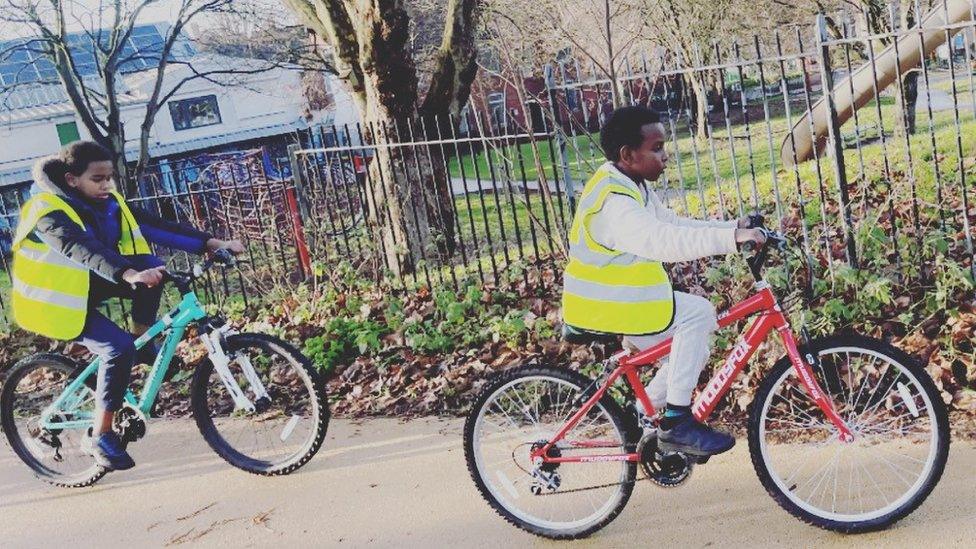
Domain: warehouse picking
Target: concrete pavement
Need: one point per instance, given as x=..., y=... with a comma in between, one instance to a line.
x=383, y=483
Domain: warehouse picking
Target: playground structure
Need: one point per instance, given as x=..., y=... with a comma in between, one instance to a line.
x=809, y=134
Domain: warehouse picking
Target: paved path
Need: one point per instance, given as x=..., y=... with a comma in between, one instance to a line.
x=382, y=483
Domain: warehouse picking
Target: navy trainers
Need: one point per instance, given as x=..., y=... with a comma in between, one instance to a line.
x=691, y=437
x=109, y=452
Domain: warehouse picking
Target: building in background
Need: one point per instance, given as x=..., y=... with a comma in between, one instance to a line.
x=266, y=111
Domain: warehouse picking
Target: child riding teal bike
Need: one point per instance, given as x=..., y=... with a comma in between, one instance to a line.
x=77, y=244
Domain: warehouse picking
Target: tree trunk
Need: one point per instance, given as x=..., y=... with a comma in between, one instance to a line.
x=910, y=79
x=910, y=87
x=699, y=112
x=411, y=206
x=144, y=134
x=410, y=200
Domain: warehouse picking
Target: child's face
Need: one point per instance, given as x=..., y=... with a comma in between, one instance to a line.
x=649, y=159
x=95, y=183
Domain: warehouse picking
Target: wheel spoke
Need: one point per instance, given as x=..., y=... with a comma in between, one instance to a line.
x=879, y=467
x=284, y=428
x=587, y=491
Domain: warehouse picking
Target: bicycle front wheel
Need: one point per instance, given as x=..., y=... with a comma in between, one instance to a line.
x=520, y=411
x=900, y=427
x=288, y=423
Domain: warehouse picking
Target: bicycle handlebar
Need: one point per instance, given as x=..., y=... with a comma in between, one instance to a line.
x=222, y=257
x=758, y=260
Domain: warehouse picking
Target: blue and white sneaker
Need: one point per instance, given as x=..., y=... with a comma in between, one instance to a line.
x=108, y=451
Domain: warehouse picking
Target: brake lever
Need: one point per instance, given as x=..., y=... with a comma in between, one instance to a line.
x=223, y=257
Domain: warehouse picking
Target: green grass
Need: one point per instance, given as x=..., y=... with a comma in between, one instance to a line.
x=734, y=175
x=691, y=157
x=694, y=166
x=963, y=86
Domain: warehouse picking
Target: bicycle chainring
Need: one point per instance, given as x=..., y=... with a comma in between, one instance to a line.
x=130, y=424
x=667, y=470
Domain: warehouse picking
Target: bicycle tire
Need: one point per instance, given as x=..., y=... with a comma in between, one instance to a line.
x=616, y=413
x=13, y=435
x=875, y=347
x=225, y=450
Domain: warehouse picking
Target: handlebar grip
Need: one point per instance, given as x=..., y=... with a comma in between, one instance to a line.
x=223, y=255
x=756, y=220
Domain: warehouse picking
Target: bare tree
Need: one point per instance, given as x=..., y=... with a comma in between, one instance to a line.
x=371, y=45
x=695, y=32
x=883, y=17
x=609, y=35
x=602, y=33
x=59, y=30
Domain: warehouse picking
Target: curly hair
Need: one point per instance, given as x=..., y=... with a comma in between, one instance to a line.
x=74, y=158
x=623, y=129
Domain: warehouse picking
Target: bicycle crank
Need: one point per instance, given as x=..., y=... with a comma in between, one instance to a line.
x=130, y=424
x=667, y=470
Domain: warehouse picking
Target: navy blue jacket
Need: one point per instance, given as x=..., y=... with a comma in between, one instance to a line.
x=96, y=246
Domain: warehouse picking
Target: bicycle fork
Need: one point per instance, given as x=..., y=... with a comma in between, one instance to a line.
x=804, y=368
x=214, y=342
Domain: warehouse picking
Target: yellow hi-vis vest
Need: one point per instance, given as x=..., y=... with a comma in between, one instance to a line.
x=606, y=290
x=50, y=292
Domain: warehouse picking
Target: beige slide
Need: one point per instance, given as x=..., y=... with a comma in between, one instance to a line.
x=887, y=67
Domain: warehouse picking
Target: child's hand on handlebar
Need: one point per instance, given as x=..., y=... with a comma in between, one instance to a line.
x=758, y=236
x=149, y=277
x=751, y=221
x=235, y=247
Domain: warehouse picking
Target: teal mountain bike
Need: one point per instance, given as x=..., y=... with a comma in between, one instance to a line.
x=256, y=399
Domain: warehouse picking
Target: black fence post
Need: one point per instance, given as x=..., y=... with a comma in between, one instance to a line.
x=835, y=137
x=296, y=174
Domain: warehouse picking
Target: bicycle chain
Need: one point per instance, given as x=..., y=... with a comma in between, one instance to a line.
x=597, y=487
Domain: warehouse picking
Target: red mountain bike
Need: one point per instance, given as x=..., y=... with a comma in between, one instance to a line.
x=846, y=432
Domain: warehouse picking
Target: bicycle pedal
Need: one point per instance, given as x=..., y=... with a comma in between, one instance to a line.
x=645, y=422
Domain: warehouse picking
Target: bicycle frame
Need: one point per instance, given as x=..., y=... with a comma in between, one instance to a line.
x=770, y=319
x=175, y=322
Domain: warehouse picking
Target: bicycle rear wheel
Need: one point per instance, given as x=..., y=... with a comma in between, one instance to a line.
x=522, y=409
x=55, y=455
x=285, y=430
x=900, y=427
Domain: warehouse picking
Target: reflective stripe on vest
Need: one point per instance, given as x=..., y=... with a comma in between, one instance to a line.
x=131, y=241
x=620, y=294
x=609, y=291
x=52, y=297
x=50, y=291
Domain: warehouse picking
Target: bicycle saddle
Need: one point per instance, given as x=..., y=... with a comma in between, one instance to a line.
x=579, y=336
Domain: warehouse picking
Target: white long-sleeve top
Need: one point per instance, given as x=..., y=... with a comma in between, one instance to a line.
x=655, y=232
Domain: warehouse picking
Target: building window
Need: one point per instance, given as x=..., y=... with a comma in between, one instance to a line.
x=194, y=113
x=68, y=133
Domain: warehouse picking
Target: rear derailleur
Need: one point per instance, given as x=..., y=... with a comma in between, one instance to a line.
x=545, y=475
x=47, y=438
